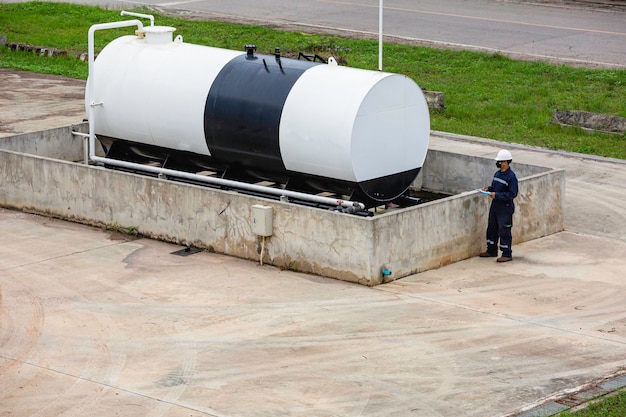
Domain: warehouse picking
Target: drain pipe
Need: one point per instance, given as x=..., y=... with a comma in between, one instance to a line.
x=348, y=206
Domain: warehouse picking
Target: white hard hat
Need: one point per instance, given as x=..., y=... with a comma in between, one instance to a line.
x=504, y=155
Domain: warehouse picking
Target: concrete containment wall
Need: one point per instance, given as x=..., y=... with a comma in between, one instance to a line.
x=445, y=231
x=54, y=143
x=322, y=242
x=455, y=173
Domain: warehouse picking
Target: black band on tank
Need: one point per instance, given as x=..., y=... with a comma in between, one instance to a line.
x=243, y=110
x=389, y=187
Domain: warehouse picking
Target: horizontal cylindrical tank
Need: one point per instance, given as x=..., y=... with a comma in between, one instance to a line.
x=275, y=115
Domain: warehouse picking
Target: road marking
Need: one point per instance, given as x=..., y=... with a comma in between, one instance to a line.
x=416, y=11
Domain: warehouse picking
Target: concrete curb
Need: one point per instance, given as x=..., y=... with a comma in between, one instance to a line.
x=576, y=399
x=509, y=145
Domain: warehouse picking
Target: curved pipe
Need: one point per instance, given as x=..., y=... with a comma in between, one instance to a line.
x=90, y=79
x=145, y=16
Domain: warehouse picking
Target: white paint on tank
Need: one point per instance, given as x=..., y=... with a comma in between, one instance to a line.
x=156, y=93
x=353, y=124
x=391, y=130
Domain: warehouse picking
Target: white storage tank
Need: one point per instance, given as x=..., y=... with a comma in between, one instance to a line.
x=318, y=123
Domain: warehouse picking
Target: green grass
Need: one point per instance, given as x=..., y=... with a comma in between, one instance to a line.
x=613, y=406
x=487, y=95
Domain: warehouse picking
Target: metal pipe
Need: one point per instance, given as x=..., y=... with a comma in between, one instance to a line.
x=86, y=149
x=351, y=205
x=145, y=16
x=224, y=182
x=90, y=79
x=229, y=183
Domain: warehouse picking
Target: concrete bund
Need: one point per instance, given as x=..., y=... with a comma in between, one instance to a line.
x=38, y=173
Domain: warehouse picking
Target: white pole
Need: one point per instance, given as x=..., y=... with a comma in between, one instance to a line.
x=380, y=36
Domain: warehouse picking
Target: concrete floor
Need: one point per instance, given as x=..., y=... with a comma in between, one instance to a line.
x=96, y=323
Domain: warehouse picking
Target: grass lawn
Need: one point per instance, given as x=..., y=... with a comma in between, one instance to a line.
x=486, y=95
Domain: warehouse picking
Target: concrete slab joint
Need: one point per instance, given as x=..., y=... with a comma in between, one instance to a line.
x=39, y=173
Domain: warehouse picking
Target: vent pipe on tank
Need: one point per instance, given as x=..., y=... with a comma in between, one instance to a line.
x=250, y=48
x=145, y=16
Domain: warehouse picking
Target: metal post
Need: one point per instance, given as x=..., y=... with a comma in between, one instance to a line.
x=380, y=36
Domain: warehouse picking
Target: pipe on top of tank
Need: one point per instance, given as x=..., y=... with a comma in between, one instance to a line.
x=145, y=16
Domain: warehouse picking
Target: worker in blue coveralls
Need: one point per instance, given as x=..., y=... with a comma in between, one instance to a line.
x=503, y=190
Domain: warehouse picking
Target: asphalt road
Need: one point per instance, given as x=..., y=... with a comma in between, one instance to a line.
x=573, y=35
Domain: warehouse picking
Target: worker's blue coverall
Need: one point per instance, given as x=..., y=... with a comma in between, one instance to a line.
x=504, y=185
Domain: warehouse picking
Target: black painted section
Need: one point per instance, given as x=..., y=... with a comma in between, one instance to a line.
x=243, y=110
x=141, y=153
x=371, y=192
x=389, y=187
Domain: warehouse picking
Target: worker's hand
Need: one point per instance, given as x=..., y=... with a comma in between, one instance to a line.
x=493, y=195
x=483, y=188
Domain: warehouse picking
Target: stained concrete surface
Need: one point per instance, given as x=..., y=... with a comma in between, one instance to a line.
x=96, y=323
x=30, y=102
